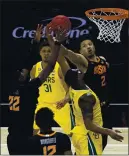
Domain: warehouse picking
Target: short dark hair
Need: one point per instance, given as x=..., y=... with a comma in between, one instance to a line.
x=43, y=43
x=44, y=118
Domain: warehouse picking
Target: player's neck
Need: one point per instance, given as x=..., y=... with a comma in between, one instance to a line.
x=44, y=64
x=93, y=58
x=46, y=131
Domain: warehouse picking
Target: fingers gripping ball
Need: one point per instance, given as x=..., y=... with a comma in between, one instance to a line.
x=61, y=22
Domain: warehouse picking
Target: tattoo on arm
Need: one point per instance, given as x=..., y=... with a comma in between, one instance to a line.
x=86, y=103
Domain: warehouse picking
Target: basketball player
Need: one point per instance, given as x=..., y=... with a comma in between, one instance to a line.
x=86, y=135
x=96, y=73
x=23, y=99
x=54, y=90
x=96, y=78
x=47, y=141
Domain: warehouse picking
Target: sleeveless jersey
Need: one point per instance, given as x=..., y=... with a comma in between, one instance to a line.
x=51, y=90
x=76, y=92
x=96, y=78
x=79, y=122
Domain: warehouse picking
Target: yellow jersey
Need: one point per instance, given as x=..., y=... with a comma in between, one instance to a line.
x=52, y=89
x=79, y=122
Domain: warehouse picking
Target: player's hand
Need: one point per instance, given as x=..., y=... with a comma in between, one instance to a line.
x=61, y=103
x=38, y=33
x=48, y=34
x=114, y=135
x=60, y=35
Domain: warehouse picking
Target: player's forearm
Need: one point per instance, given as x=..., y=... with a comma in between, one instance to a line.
x=97, y=129
x=68, y=54
x=75, y=58
x=63, y=50
x=51, y=63
x=67, y=97
x=63, y=64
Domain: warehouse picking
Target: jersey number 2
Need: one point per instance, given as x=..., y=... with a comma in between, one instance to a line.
x=103, y=82
x=46, y=150
x=14, y=103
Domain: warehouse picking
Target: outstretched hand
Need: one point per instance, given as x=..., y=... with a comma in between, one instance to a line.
x=60, y=35
x=48, y=34
x=114, y=135
x=38, y=33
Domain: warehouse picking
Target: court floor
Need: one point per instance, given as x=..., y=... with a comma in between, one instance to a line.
x=112, y=148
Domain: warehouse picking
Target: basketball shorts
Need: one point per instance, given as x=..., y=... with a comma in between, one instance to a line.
x=88, y=144
x=62, y=116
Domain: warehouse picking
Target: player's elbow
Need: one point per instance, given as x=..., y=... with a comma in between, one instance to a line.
x=87, y=127
x=88, y=124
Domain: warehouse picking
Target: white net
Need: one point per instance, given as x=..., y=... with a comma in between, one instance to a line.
x=109, y=29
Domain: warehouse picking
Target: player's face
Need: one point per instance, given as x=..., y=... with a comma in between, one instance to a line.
x=87, y=48
x=45, y=53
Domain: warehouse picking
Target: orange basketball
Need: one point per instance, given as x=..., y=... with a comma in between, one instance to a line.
x=61, y=21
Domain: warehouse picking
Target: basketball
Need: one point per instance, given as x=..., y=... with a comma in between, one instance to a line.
x=61, y=21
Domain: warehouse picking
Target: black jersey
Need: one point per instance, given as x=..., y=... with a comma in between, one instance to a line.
x=96, y=77
x=49, y=144
x=22, y=104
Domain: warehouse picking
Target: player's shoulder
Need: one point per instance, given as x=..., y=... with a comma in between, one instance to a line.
x=103, y=58
x=62, y=136
x=37, y=64
x=35, y=137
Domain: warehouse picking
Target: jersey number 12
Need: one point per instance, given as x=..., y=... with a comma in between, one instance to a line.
x=49, y=150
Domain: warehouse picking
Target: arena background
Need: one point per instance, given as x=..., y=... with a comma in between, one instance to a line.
x=18, y=21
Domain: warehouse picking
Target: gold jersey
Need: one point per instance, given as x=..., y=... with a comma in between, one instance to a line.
x=79, y=122
x=52, y=89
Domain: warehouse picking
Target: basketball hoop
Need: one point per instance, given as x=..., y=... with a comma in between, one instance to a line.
x=109, y=22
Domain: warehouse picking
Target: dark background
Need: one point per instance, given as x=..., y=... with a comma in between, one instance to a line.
x=29, y=14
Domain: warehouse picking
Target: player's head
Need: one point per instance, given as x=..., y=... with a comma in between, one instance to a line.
x=45, y=51
x=44, y=118
x=87, y=48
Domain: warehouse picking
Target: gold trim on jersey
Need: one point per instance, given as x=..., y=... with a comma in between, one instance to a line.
x=46, y=135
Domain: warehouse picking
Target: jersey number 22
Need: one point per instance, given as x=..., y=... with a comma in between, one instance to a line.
x=14, y=102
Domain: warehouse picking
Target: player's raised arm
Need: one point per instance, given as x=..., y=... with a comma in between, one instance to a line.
x=53, y=58
x=86, y=103
x=32, y=54
x=79, y=60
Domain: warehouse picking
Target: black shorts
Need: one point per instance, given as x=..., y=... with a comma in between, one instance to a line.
x=17, y=145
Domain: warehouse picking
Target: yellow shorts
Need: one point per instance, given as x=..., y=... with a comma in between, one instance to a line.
x=62, y=116
x=87, y=144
